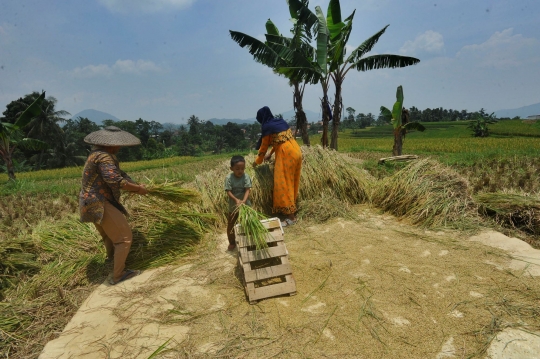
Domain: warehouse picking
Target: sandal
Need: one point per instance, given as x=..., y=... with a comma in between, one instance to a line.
x=128, y=275
x=287, y=222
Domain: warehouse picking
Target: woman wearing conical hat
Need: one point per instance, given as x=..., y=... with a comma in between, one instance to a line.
x=99, y=199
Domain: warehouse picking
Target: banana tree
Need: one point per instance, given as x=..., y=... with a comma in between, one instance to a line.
x=11, y=135
x=340, y=65
x=399, y=117
x=312, y=64
x=277, y=52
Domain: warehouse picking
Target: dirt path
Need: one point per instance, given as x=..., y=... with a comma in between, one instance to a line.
x=370, y=288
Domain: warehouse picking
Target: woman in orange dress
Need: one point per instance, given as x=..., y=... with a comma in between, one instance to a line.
x=288, y=164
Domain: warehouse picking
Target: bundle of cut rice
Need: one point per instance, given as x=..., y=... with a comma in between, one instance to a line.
x=324, y=171
x=428, y=193
x=250, y=223
x=512, y=210
x=171, y=191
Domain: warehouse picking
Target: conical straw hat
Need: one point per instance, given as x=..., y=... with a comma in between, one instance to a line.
x=112, y=136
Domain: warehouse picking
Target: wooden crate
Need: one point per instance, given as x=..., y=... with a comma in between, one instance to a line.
x=266, y=273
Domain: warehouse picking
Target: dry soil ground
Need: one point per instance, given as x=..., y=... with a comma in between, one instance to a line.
x=370, y=288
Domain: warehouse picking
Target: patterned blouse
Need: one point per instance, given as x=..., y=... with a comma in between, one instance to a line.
x=273, y=140
x=101, y=181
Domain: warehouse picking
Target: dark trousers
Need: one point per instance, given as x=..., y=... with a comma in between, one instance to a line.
x=233, y=217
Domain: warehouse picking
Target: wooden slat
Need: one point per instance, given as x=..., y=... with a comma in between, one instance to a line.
x=245, y=266
x=271, y=290
x=243, y=241
x=270, y=252
x=272, y=224
x=268, y=272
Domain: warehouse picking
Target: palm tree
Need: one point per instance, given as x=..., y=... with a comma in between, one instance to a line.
x=399, y=117
x=44, y=127
x=11, y=135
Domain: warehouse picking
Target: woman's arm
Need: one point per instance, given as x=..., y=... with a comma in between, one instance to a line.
x=134, y=188
x=112, y=175
x=268, y=156
x=262, y=151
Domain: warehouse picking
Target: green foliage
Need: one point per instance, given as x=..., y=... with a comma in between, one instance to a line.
x=479, y=125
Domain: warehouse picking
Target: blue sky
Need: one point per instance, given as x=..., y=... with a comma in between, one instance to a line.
x=166, y=60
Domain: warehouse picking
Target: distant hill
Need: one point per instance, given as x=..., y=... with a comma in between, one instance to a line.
x=288, y=115
x=522, y=112
x=223, y=121
x=95, y=116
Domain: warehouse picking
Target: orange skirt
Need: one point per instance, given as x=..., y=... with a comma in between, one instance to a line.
x=287, y=169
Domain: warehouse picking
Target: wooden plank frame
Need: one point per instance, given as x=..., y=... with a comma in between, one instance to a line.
x=247, y=255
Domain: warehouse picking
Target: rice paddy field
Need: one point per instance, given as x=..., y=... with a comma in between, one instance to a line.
x=50, y=262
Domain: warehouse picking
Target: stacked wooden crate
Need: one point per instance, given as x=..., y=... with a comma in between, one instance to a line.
x=267, y=272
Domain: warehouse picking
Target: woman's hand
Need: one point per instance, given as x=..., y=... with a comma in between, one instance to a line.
x=142, y=190
x=255, y=164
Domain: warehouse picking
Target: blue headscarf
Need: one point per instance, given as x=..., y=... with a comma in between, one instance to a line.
x=269, y=124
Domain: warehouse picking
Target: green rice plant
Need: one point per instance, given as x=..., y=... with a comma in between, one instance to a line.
x=250, y=223
x=171, y=191
x=428, y=193
x=512, y=210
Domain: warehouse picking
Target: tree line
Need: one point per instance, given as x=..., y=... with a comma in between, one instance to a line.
x=46, y=139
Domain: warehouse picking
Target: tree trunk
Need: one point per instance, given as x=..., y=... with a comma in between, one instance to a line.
x=6, y=156
x=398, y=142
x=40, y=159
x=325, y=121
x=301, y=120
x=337, y=114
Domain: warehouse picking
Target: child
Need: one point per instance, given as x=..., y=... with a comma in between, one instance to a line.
x=238, y=186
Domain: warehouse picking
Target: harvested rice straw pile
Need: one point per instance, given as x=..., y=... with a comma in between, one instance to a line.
x=324, y=208
x=70, y=259
x=250, y=222
x=323, y=171
x=428, y=193
x=512, y=210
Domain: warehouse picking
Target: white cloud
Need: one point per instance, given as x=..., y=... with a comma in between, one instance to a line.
x=502, y=49
x=120, y=66
x=146, y=6
x=430, y=42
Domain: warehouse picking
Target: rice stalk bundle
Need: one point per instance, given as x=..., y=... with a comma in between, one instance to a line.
x=512, y=210
x=171, y=191
x=428, y=193
x=329, y=171
x=323, y=171
x=161, y=234
x=250, y=223
x=17, y=257
x=324, y=208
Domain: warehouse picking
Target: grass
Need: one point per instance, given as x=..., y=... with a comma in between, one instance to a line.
x=49, y=262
